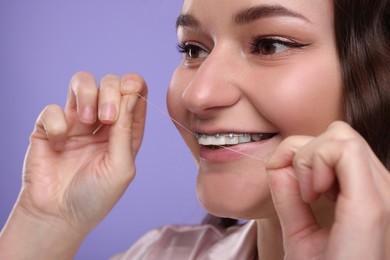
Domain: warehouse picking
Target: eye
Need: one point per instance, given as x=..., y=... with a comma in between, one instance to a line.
x=192, y=51
x=272, y=46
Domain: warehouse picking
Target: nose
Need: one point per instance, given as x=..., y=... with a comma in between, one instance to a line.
x=214, y=85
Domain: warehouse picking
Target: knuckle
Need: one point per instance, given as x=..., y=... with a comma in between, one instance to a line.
x=352, y=146
x=332, y=151
x=56, y=129
x=301, y=163
x=296, y=142
x=340, y=130
x=346, y=137
x=339, y=125
x=51, y=119
x=49, y=110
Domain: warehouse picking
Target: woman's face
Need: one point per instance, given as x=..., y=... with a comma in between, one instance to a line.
x=252, y=70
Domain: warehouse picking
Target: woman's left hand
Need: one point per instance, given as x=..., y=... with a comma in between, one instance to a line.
x=340, y=164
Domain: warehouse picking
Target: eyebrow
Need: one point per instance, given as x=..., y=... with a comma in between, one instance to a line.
x=245, y=16
x=187, y=20
x=254, y=13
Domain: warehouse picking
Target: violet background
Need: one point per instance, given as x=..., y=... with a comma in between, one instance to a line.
x=42, y=44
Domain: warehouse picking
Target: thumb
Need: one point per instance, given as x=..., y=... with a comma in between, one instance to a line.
x=295, y=215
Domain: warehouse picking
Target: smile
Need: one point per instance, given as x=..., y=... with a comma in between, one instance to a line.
x=231, y=138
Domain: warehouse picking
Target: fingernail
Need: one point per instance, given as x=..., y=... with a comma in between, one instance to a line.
x=88, y=115
x=130, y=86
x=107, y=112
x=131, y=102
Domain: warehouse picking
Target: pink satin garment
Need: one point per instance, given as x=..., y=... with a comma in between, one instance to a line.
x=204, y=242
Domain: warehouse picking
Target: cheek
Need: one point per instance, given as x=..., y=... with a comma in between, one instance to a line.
x=179, y=82
x=173, y=93
x=305, y=100
x=177, y=112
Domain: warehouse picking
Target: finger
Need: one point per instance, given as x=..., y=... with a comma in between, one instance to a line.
x=134, y=83
x=361, y=205
x=285, y=152
x=120, y=138
x=324, y=179
x=125, y=135
x=82, y=98
x=109, y=99
x=338, y=153
x=285, y=156
x=348, y=160
x=296, y=217
x=51, y=124
x=314, y=176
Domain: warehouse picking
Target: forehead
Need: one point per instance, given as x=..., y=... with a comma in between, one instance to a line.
x=315, y=11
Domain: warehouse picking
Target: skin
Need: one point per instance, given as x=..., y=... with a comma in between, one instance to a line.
x=285, y=92
x=73, y=174
x=89, y=146
x=223, y=86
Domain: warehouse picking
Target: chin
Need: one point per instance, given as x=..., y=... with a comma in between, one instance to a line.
x=241, y=210
x=237, y=196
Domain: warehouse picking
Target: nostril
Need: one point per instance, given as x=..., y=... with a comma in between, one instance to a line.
x=200, y=99
x=197, y=100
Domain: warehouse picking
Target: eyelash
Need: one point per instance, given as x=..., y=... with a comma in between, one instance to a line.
x=255, y=43
x=186, y=48
x=258, y=40
x=183, y=48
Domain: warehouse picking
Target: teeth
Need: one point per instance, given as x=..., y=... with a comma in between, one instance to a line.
x=256, y=137
x=245, y=138
x=230, y=139
x=219, y=140
x=205, y=139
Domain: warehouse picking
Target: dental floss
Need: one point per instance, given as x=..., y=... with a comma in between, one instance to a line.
x=182, y=126
x=165, y=114
x=97, y=129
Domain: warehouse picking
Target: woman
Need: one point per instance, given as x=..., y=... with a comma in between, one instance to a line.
x=258, y=98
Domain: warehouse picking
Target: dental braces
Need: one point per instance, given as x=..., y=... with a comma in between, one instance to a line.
x=230, y=135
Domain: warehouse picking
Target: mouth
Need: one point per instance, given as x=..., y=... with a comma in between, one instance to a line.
x=218, y=141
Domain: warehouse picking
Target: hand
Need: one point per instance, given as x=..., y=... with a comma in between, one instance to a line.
x=72, y=175
x=341, y=165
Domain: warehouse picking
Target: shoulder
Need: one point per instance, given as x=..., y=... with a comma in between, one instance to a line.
x=193, y=242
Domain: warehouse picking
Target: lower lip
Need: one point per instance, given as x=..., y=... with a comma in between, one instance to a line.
x=234, y=152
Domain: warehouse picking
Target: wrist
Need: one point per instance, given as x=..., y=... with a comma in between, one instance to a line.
x=27, y=236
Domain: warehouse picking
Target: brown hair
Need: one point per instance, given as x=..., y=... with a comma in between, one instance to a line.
x=362, y=32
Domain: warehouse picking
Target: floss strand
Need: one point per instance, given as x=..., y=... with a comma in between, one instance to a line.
x=185, y=128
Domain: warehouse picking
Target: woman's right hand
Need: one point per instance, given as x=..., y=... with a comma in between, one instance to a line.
x=81, y=158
